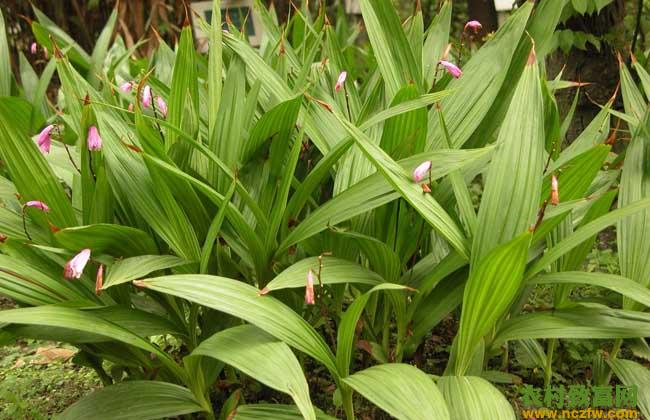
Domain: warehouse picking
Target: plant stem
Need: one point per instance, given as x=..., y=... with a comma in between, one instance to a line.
x=25, y=226
x=548, y=369
x=70, y=157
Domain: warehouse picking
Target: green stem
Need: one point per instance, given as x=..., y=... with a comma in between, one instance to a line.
x=548, y=369
x=348, y=405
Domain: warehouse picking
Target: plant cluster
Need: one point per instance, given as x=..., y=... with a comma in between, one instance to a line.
x=191, y=222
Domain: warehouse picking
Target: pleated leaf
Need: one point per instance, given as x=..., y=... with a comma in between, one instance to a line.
x=576, y=323
x=492, y=285
x=471, y=397
x=403, y=391
x=6, y=74
x=117, y=240
x=262, y=357
x=634, y=374
x=129, y=269
x=509, y=208
x=333, y=271
x=134, y=400
x=633, y=232
x=390, y=45
x=273, y=411
x=402, y=181
x=30, y=172
x=244, y=301
x=477, y=89
x=619, y=284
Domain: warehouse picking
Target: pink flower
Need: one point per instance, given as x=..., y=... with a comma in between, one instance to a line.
x=33, y=48
x=94, y=141
x=126, y=87
x=162, y=105
x=309, y=290
x=45, y=139
x=75, y=267
x=146, y=97
x=99, y=280
x=421, y=171
x=341, y=80
x=555, y=191
x=451, y=68
x=474, y=25
x=38, y=205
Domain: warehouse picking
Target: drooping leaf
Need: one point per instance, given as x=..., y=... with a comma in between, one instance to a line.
x=471, y=397
x=262, y=357
x=134, y=400
x=403, y=391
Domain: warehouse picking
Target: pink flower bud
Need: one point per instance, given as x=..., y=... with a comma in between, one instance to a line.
x=94, y=141
x=37, y=205
x=45, y=139
x=421, y=171
x=126, y=87
x=146, y=97
x=451, y=68
x=341, y=80
x=162, y=106
x=309, y=290
x=130, y=107
x=75, y=267
x=474, y=25
x=555, y=191
x=99, y=280
x=33, y=48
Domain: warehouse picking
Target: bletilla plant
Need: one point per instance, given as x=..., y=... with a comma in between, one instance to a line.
x=188, y=221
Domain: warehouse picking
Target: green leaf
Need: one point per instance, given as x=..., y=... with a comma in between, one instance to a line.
x=403, y=391
x=632, y=232
x=215, y=68
x=76, y=53
x=509, y=208
x=274, y=125
x=6, y=74
x=375, y=190
x=575, y=323
x=273, y=411
x=333, y=271
x=584, y=233
x=134, y=400
x=348, y=325
x=623, y=285
x=101, y=49
x=478, y=88
x=401, y=180
x=117, y=240
x=635, y=105
x=243, y=301
x=437, y=37
x=492, y=285
x=134, y=268
x=634, y=374
x=390, y=45
x=471, y=397
x=29, y=170
x=405, y=135
x=263, y=358
x=83, y=321
x=184, y=88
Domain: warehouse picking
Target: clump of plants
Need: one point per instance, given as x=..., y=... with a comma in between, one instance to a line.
x=206, y=227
